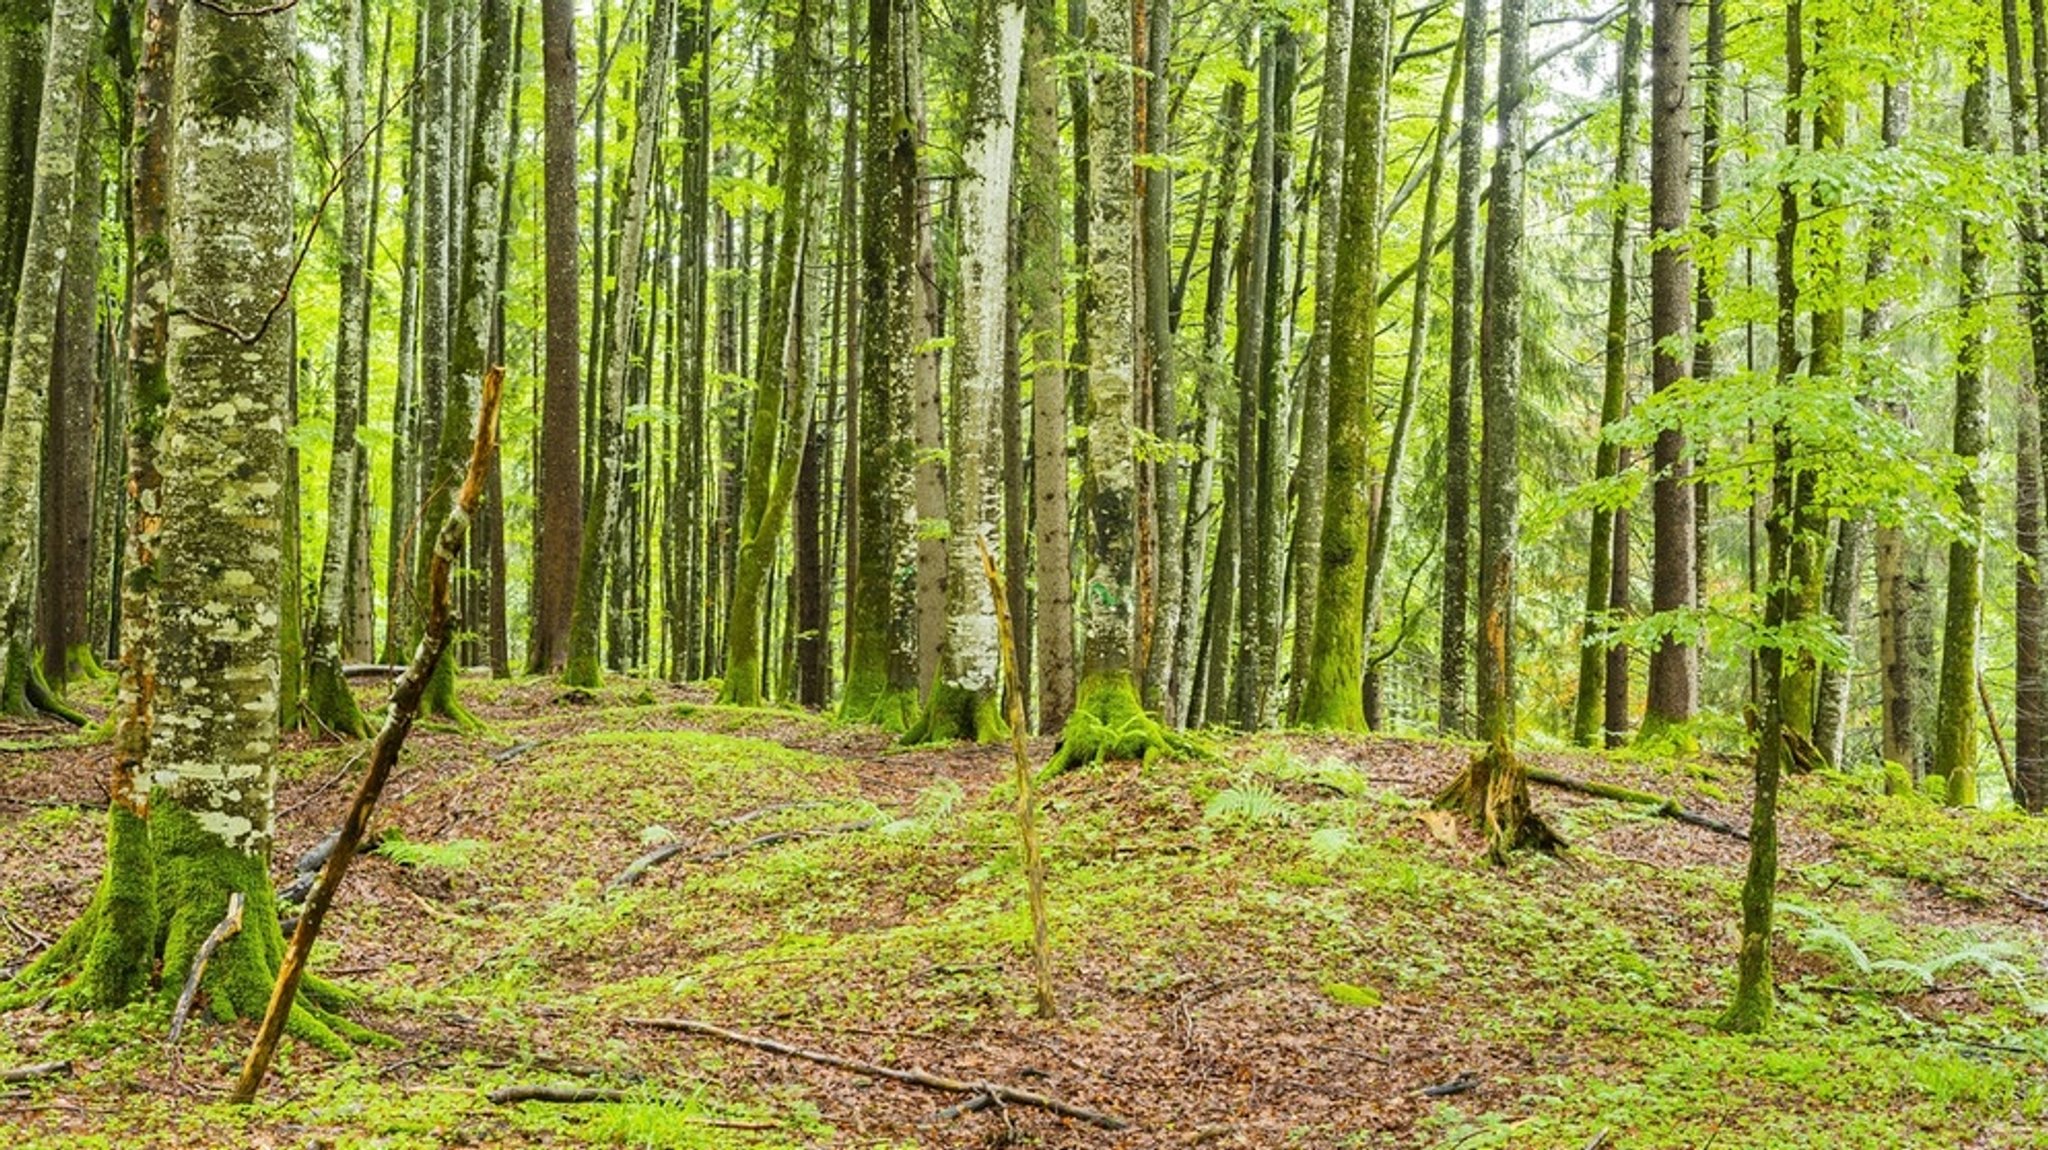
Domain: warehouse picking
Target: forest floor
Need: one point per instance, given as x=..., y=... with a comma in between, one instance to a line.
x=1276, y=947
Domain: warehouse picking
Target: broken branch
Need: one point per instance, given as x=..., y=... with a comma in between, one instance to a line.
x=228, y=927
x=1006, y=1094
x=661, y=854
x=34, y=1072
x=1662, y=806
x=398, y=720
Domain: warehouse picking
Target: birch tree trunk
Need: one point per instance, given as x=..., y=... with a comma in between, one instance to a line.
x=966, y=701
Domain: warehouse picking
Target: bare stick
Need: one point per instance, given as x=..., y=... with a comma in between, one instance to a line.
x=228, y=927
x=1027, y=803
x=1006, y=1094
x=398, y=720
x=2012, y=781
x=667, y=851
x=31, y=1073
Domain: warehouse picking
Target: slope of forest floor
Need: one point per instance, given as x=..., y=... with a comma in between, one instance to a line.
x=1277, y=947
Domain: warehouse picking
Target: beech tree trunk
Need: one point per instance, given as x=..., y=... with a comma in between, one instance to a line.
x=1452, y=715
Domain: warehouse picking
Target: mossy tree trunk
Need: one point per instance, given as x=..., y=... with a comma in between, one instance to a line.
x=1041, y=291
x=966, y=701
x=1331, y=697
x=1381, y=536
x=1162, y=382
x=1955, y=726
x=1108, y=722
x=1586, y=713
x=329, y=702
x=65, y=554
x=32, y=347
x=783, y=381
x=607, y=491
x=881, y=668
x=1452, y=715
x=2030, y=601
x=1313, y=467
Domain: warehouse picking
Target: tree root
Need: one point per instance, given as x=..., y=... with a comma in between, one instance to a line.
x=1109, y=724
x=956, y=714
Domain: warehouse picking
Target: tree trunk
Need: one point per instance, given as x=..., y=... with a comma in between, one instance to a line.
x=966, y=700
x=1163, y=383
x=1331, y=698
x=1674, y=665
x=33, y=344
x=607, y=494
x=1955, y=729
x=67, y=481
x=1313, y=468
x=1452, y=717
x=1041, y=289
x=1586, y=714
x=330, y=703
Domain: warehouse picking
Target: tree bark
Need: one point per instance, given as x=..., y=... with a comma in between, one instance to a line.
x=1041, y=290
x=558, y=518
x=1452, y=716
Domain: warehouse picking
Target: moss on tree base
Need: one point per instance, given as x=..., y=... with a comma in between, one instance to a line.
x=166, y=887
x=890, y=709
x=1109, y=724
x=440, y=701
x=956, y=714
x=1492, y=793
x=331, y=704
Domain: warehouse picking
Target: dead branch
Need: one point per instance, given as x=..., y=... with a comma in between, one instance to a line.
x=661, y=854
x=228, y=927
x=1005, y=1094
x=2030, y=901
x=34, y=1072
x=1662, y=806
x=398, y=720
x=366, y=670
x=574, y=1095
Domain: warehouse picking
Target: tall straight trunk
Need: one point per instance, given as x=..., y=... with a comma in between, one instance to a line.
x=472, y=303
x=400, y=522
x=1615, y=722
x=1266, y=510
x=966, y=701
x=1753, y=1003
x=1315, y=393
x=1246, y=665
x=2030, y=602
x=783, y=382
x=1163, y=383
x=33, y=344
x=1587, y=712
x=1955, y=725
x=881, y=660
x=359, y=613
x=607, y=494
x=1707, y=276
x=1041, y=290
x=558, y=518
x=329, y=701
x=67, y=480
x=688, y=506
x=1452, y=716
x=1331, y=698
x=1387, y=505
x=1674, y=661
x=23, y=31
x=1108, y=720
x=441, y=251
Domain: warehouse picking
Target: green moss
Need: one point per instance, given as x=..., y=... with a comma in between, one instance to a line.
x=889, y=708
x=440, y=701
x=1108, y=724
x=956, y=714
x=331, y=705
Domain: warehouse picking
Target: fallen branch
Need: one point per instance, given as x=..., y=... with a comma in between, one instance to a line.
x=1027, y=805
x=575, y=1095
x=1465, y=1081
x=366, y=670
x=228, y=927
x=37, y=1071
x=398, y=720
x=514, y=751
x=1006, y=1094
x=661, y=854
x=1660, y=805
x=2030, y=901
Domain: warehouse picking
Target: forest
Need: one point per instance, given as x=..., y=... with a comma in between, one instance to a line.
x=776, y=573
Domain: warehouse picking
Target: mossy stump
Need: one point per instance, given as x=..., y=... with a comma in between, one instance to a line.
x=1492, y=794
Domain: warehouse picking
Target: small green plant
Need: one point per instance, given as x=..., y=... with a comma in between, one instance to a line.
x=453, y=855
x=1251, y=803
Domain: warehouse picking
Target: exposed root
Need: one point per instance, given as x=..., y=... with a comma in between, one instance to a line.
x=956, y=714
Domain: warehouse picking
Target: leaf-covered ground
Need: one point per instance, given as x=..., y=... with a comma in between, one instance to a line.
x=1274, y=948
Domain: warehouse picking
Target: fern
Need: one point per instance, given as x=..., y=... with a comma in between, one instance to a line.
x=1249, y=803
x=455, y=854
